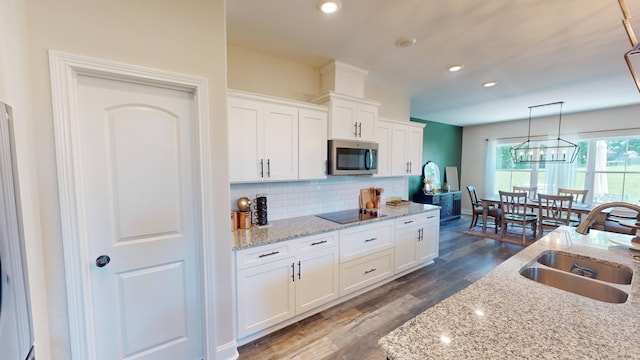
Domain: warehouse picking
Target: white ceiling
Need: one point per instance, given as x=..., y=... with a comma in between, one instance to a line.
x=539, y=51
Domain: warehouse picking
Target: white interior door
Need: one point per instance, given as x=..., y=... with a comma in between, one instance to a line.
x=140, y=197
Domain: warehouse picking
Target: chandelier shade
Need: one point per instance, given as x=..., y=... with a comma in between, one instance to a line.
x=556, y=150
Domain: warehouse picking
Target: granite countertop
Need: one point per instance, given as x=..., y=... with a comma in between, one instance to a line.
x=286, y=229
x=507, y=316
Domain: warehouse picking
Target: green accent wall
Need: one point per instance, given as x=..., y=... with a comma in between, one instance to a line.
x=442, y=144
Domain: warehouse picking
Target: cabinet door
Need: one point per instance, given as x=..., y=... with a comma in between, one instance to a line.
x=280, y=142
x=399, y=162
x=317, y=280
x=265, y=296
x=343, y=123
x=312, y=141
x=245, y=139
x=405, y=249
x=428, y=246
x=366, y=119
x=383, y=136
x=414, y=150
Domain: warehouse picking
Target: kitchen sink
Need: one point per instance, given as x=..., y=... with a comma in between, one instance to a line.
x=587, y=267
x=575, y=284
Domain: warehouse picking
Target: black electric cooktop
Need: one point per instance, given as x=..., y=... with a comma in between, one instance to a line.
x=351, y=216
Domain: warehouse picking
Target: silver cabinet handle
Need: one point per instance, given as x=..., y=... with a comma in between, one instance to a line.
x=408, y=222
x=293, y=271
x=370, y=271
x=269, y=254
x=268, y=167
x=299, y=269
x=318, y=242
x=372, y=239
x=355, y=129
x=261, y=168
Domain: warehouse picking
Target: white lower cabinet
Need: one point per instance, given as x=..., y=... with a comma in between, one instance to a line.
x=275, y=282
x=416, y=240
x=364, y=271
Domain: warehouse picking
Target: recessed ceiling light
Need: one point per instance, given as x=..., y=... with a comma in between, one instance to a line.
x=329, y=6
x=405, y=41
x=490, y=84
x=454, y=68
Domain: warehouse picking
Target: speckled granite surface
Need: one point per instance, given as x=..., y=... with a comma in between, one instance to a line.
x=507, y=316
x=287, y=229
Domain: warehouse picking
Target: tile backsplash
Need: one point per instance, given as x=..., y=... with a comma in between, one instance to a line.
x=292, y=199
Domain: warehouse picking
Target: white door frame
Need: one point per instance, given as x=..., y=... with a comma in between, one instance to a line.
x=64, y=71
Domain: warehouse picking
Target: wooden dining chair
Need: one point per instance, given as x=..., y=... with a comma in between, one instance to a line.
x=553, y=211
x=478, y=209
x=531, y=191
x=579, y=196
x=531, y=195
x=514, y=210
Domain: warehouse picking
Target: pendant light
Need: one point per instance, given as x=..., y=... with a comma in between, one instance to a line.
x=555, y=150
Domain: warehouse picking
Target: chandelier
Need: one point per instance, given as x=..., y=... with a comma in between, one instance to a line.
x=635, y=46
x=555, y=150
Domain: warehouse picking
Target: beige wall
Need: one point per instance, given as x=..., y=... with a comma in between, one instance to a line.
x=185, y=37
x=473, y=137
x=261, y=73
x=14, y=90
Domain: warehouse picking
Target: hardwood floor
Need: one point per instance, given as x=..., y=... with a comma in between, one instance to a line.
x=351, y=330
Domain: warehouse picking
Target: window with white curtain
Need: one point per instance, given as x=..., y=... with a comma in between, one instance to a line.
x=607, y=164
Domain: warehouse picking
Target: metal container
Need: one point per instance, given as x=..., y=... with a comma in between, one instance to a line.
x=244, y=219
x=234, y=221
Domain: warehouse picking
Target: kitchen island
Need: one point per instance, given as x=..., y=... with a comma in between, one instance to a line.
x=507, y=316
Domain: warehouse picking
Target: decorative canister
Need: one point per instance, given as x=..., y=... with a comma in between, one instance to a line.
x=234, y=221
x=244, y=219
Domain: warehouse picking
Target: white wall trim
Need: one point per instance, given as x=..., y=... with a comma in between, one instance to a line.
x=228, y=351
x=64, y=71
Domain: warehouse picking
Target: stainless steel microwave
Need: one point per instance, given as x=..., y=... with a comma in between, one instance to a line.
x=348, y=157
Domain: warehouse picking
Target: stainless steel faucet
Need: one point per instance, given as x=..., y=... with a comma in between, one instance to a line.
x=585, y=225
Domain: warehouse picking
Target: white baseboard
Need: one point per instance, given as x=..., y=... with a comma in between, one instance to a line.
x=227, y=351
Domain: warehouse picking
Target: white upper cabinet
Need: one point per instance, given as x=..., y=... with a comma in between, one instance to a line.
x=312, y=141
x=264, y=139
x=406, y=147
x=350, y=118
x=383, y=136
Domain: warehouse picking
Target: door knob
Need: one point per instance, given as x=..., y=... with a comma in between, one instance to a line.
x=102, y=260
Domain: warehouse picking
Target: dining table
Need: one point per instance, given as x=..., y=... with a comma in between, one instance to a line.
x=579, y=208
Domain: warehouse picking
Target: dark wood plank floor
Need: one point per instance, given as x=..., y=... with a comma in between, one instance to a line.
x=351, y=330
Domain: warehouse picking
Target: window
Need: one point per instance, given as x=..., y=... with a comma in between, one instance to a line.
x=615, y=169
x=609, y=166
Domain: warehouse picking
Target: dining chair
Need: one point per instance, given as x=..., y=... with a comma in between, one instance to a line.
x=531, y=191
x=478, y=209
x=553, y=211
x=579, y=196
x=514, y=210
x=531, y=195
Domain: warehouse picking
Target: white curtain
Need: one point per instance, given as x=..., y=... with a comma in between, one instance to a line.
x=560, y=175
x=489, y=167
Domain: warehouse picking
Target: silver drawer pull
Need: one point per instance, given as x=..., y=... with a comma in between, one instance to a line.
x=372, y=239
x=269, y=254
x=431, y=217
x=318, y=242
x=370, y=271
x=408, y=222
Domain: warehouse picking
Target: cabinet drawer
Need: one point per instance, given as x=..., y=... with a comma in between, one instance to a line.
x=263, y=254
x=365, y=239
x=362, y=272
x=427, y=218
x=316, y=242
x=406, y=222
